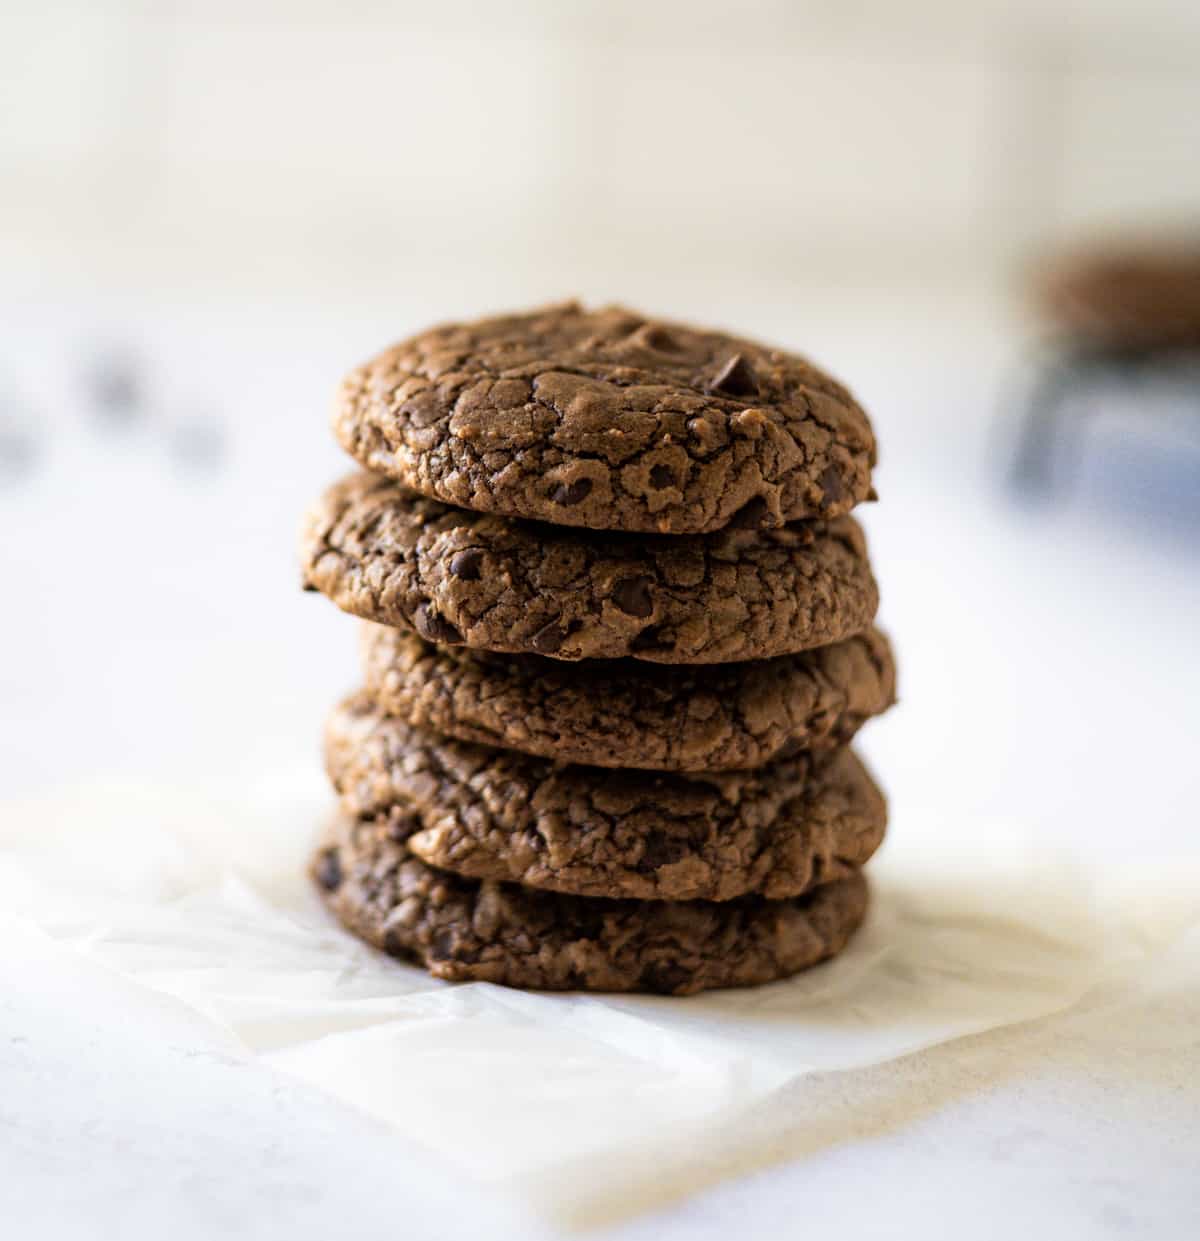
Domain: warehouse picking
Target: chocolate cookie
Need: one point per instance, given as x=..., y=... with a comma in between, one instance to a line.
x=387, y=554
x=608, y=420
x=463, y=930
x=496, y=814
x=618, y=713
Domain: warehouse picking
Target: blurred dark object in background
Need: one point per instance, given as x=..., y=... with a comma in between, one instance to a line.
x=18, y=446
x=197, y=445
x=1123, y=324
x=114, y=389
x=1141, y=298
x=19, y=442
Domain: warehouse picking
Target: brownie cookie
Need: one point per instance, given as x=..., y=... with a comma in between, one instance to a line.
x=464, y=931
x=497, y=814
x=387, y=554
x=618, y=713
x=608, y=420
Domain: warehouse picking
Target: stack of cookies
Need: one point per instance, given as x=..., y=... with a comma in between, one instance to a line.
x=619, y=634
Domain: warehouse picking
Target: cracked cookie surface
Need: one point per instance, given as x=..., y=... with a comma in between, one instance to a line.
x=456, y=577
x=618, y=713
x=496, y=814
x=462, y=930
x=608, y=420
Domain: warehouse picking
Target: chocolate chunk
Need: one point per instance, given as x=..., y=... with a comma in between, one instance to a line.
x=434, y=627
x=649, y=638
x=400, y=824
x=572, y=493
x=466, y=565
x=660, y=849
x=654, y=336
x=632, y=596
x=790, y=748
x=735, y=378
x=750, y=516
x=586, y=921
x=327, y=870
x=831, y=486
x=395, y=943
x=666, y=978
x=309, y=588
x=549, y=638
x=662, y=476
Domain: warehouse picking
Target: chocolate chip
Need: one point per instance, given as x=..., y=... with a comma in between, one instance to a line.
x=632, y=596
x=587, y=922
x=573, y=492
x=310, y=589
x=442, y=946
x=662, y=476
x=660, y=849
x=467, y=564
x=396, y=944
x=328, y=870
x=549, y=638
x=654, y=336
x=401, y=824
x=434, y=627
x=872, y=495
x=735, y=378
x=790, y=748
x=649, y=637
x=666, y=977
x=750, y=515
x=831, y=486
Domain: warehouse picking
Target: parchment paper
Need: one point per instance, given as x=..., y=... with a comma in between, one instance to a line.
x=574, y=1103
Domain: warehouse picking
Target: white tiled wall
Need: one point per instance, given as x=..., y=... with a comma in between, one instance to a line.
x=367, y=142
x=1130, y=143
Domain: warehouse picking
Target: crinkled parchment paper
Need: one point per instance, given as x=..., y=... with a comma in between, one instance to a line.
x=568, y=1101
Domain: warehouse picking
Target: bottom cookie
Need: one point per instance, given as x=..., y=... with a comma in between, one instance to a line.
x=464, y=930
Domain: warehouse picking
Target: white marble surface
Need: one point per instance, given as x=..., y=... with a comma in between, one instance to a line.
x=1083, y=1126
x=1049, y=674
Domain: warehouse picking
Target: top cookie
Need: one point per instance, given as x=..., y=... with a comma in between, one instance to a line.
x=608, y=420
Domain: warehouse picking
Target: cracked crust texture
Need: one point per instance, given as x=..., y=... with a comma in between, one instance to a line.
x=495, y=814
x=464, y=931
x=386, y=554
x=608, y=420
x=618, y=713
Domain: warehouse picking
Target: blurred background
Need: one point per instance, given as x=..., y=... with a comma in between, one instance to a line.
x=209, y=212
